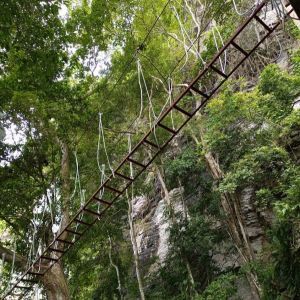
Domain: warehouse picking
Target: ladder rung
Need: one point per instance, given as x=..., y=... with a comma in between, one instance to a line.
x=218, y=71
x=123, y=176
x=102, y=201
x=34, y=273
x=73, y=232
x=29, y=280
x=259, y=20
x=65, y=241
x=23, y=287
x=113, y=189
x=183, y=111
x=56, y=250
x=167, y=128
x=199, y=92
x=235, y=45
x=92, y=212
x=151, y=144
x=49, y=258
x=82, y=222
x=136, y=162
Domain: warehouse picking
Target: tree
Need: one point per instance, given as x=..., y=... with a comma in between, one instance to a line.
x=53, y=86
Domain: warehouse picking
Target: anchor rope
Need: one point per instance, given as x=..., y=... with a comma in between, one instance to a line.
x=250, y=10
x=101, y=133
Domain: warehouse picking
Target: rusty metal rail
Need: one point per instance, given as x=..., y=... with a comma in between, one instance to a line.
x=296, y=6
x=186, y=105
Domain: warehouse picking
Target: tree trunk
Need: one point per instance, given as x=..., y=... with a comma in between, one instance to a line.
x=55, y=284
x=231, y=207
x=173, y=221
x=66, y=190
x=135, y=248
x=165, y=190
x=7, y=255
x=116, y=268
x=54, y=281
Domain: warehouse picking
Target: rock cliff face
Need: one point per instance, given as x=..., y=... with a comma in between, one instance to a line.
x=152, y=233
x=292, y=141
x=152, y=227
x=253, y=219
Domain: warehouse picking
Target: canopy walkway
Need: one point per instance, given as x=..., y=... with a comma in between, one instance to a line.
x=184, y=107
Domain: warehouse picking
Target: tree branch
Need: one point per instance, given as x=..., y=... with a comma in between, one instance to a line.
x=8, y=255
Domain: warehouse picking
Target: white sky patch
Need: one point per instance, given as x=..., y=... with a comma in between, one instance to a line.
x=63, y=12
x=13, y=137
x=100, y=63
x=97, y=61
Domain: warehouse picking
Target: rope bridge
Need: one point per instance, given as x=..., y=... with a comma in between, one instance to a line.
x=183, y=108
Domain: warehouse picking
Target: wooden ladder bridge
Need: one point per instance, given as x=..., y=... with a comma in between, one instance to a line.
x=146, y=150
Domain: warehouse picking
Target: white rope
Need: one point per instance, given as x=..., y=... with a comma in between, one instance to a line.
x=35, y=229
x=280, y=48
x=13, y=264
x=250, y=10
x=44, y=207
x=51, y=213
x=36, y=292
x=170, y=90
x=104, y=144
x=141, y=88
x=185, y=47
x=129, y=150
x=29, y=257
x=100, y=167
x=55, y=228
x=223, y=65
x=151, y=111
x=39, y=222
x=82, y=199
x=184, y=32
x=81, y=192
x=147, y=91
x=78, y=180
x=76, y=227
x=225, y=52
x=102, y=179
x=77, y=183
x=194, y=18
x=38, y=250
x=32, y=245
x=279, y=8
x=75, y=188
x=167, y=91
x=2, y=267
x=281, y=15
x=39, y=253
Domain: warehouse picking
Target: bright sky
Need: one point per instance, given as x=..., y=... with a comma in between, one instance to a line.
x=13, y=136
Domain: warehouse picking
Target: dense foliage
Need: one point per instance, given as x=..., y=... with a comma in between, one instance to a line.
x=78, y=78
